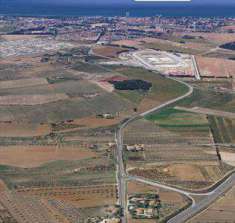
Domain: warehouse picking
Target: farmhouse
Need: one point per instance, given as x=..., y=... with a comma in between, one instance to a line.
x=135, y=148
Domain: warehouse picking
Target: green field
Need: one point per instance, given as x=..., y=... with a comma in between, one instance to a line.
x=210, y=99
x=88, y=67
x=163, y=89
x=61, y=173
x=174, y=118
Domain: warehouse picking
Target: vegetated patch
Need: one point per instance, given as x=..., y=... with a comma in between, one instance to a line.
x=214, y=38
x=228, y=46
x=109, y=51
x=82, y=197
x=169, y=203
x=168, y=132
x=163, y=114
x=132, y=85
x=71, y=169
x=176, y=47
x=174, y=118
x=68, y=109
x=88, y=67
x=223, y=129
x=162, y=89
x=209, y=99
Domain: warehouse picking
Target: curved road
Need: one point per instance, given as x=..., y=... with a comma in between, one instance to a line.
x=121, y=172
x=122, y=177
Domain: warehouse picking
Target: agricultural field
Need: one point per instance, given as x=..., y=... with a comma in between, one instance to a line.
x=59, y=113
x=178, y=45
x=170, y=126
x=88, y=67
x=31, y=99
x=184, y=175
x=223, y=85
x=206, y=98
x=176, y=150
x=67, y=171
x=170, y=202
x=81, y=197
x=35, y=156
x=216, y=38
x=14, y=129
x=22, y=83
x=162, y=89
x=223, y=129
x=222, y=210
x=215, y=67
x=60, y=110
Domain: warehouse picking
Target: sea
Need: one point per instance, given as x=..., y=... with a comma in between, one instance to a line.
x=9, y=8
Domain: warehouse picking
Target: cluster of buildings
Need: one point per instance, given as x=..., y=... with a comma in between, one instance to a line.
x=22, y=47
x=112, y=216
x=106, y=29
x=145, y=206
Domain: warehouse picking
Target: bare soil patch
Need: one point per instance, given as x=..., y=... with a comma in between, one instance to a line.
x=34, y=156
x=215, y=37
x=215, y=67
x=23, y=83
x=131, y=43
x=18, y=37
x=31, y=99
x=93, y=122
x=23, y=129
x=227, y=157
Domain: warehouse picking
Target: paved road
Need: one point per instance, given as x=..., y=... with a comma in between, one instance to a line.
x=156, y=184
x=121, y=173
x=203, y=204
x=196, y=71
x=210, y=197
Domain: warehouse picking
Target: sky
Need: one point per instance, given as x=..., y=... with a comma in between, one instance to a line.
x=97, y=2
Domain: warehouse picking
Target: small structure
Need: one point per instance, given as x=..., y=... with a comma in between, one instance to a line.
x=106, y=116
x=134, y=148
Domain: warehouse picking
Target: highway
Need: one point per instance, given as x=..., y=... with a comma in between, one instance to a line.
x=204, y=203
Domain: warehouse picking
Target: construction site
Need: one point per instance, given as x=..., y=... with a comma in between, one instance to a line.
x=170, y=64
